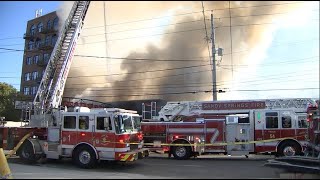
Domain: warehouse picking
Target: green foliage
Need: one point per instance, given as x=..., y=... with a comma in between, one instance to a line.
x=8, y=95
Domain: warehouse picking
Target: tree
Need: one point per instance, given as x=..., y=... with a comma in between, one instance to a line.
x=8, y=96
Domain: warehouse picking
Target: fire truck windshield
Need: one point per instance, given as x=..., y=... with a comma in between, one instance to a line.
x=123, y=124
x=136, y=122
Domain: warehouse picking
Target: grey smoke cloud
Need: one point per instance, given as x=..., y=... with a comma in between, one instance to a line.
x=187, y=45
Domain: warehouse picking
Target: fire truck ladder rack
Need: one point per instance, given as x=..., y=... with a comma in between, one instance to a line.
x=172, y=109
x=300, y=104
x=50, y=91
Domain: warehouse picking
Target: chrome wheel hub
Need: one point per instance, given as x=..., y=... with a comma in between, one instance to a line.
x=84, y=157
x=289, y=151
x=181, y=151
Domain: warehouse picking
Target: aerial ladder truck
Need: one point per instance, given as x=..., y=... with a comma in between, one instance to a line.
x=234, y=127
x=85, y=135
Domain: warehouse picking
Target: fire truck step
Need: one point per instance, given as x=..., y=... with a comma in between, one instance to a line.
x=53, y=146
x=53, y=155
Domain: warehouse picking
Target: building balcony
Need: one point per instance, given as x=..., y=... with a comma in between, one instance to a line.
x=28, y=36
x=48, y=31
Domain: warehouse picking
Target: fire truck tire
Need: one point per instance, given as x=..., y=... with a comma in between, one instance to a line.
x=84, y=157
x=181, y=152
x=26, y=153
x=289, y=148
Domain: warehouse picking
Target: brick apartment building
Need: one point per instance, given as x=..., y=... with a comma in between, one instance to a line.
x=40, y=38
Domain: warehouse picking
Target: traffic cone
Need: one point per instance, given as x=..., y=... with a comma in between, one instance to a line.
x=5, y=172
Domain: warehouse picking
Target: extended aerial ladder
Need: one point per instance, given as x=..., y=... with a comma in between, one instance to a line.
x=51, y=88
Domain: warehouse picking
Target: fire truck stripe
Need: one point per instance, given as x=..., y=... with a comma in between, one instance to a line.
x=190, y=130
x=100, y=148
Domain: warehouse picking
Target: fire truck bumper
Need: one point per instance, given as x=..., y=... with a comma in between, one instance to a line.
x=131, y=156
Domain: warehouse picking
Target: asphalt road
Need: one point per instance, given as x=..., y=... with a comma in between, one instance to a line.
x=154, y=167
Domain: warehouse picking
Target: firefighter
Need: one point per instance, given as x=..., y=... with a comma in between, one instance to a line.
x=83, y=124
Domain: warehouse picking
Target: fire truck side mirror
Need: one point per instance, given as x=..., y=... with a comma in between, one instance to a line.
x=106, y=123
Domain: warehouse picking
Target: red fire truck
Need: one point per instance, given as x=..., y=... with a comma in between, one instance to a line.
x=241, y=127
x=86, y=135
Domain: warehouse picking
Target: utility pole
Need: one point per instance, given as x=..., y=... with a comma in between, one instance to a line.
x=214, y=78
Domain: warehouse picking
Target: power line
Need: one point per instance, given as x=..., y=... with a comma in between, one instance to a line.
x=200, y=91
x=279, y=62
x=209, y=84
x=142, y=28
x=294, y=42
x=185, y=67
x=132, y=80
x=137, y=59
x=157, y=70
x=11, y=38
x=193, y=73
x=274, y=89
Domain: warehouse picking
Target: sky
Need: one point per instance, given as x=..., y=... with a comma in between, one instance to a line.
x=275, y=49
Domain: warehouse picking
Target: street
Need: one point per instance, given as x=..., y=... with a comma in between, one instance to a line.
x=156, y=166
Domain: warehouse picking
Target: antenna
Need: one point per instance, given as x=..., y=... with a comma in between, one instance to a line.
x=38, y=13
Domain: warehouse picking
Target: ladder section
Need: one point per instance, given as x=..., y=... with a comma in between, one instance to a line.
x=50, y=91
x=298, y=103
x=295, y=104
x=149, y=114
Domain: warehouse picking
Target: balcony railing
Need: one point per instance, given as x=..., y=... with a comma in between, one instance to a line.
x=48, y=30
x=28, y=36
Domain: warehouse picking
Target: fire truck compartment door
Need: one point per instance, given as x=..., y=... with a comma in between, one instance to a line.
x=238, y=132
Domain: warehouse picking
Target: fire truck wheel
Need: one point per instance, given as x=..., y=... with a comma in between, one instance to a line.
x=84, y=157
x=181, y=152
x=289, y=148
x=26, y=152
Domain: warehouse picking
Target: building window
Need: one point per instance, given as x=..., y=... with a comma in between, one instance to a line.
x=271, y=120
x=55, y=23
x=34, y=75
x=40, y=27
x=26, y=90
x=36, y=59
x=27, y=77
x=30, y=45
x=47, y=41
x=69, y=122
x=53, y=40
x=33, y=29
x=28, y=60
x=49, y=24
x=46, y=57
x=37, y=44
x=33, y=90
x=286, y=121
